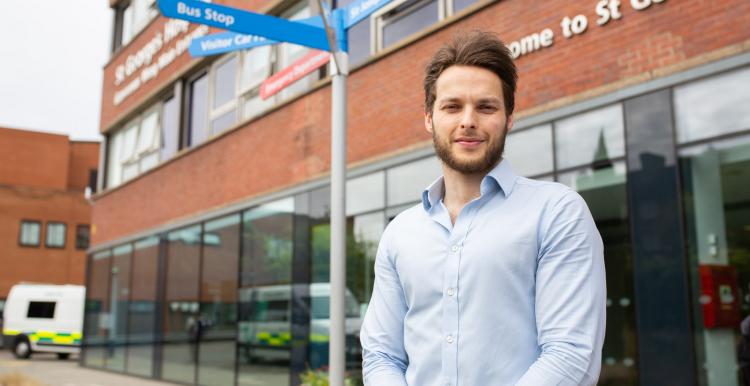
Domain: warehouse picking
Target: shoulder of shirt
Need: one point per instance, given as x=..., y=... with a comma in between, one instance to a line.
x=406, y=219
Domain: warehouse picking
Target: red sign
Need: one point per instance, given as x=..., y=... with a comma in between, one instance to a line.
x=282, y=79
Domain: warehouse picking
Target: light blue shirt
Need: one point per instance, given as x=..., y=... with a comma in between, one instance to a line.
x=513, y=293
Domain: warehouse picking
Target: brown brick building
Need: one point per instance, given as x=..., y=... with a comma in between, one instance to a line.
x=44, y=216
x=640, y=105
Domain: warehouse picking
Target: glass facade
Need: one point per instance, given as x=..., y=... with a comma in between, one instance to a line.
x=243, y=298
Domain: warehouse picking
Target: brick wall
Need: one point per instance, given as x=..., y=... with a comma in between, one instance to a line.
x=42, y=177
x=291, y=145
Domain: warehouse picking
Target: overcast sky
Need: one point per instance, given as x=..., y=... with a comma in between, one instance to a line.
x=51, y=57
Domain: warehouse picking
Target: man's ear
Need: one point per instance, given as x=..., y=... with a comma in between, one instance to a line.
x=428, y=122
x=509, y=123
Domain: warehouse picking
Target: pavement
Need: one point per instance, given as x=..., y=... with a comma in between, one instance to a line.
x=44, y=369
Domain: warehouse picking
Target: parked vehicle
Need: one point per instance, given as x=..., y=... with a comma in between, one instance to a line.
x=43, y=318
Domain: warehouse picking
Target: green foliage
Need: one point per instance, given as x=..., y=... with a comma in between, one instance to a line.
x=320, y=378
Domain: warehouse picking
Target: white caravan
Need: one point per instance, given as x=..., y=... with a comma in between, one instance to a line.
x=44, y=318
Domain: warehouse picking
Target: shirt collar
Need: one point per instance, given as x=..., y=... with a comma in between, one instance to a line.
x=501, y=176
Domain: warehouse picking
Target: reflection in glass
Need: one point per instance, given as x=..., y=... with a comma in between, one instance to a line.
x=223, y=122
x=265, y=296
x=97, y=310
x=406, y=182
x=590, y=138
x=180, y=312
x=216, y=327
x=717, y=211
x=605, y=193
x=142, y=307
x=530, y=150
x=712, y=106
x=365, y=193
x=119, y=295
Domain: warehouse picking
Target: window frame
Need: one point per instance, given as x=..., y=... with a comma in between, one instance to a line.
x=377, y=22
x=47, y=233
x=20, y=233
x=88, y=236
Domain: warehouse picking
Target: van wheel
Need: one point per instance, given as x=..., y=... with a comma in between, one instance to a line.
x=63, y=355
x=22, y=348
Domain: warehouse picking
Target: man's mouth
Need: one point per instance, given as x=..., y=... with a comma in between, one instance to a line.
x=469, y=142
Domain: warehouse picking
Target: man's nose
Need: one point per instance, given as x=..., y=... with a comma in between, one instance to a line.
x=469, y=118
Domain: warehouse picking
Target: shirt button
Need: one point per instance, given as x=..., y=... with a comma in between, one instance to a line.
x=451, y=291
x=454, y=248
x=449, y=339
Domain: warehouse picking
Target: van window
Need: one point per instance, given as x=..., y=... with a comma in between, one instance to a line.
x=45, y=310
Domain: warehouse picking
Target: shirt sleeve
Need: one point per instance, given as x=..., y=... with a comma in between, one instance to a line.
x=570, y=298
x=384, y=358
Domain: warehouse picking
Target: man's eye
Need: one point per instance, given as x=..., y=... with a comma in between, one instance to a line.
x=488, y=108
x=451, y=107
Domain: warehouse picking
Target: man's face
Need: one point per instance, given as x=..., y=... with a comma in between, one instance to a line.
x=468, y=122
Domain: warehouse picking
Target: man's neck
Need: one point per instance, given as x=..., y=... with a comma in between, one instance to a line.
x=460, y=189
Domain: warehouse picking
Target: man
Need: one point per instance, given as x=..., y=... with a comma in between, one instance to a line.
x=493, y=279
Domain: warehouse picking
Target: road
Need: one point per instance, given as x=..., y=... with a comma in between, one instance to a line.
x=47, y=370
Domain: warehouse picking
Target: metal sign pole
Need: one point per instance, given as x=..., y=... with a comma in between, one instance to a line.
x=337, y=362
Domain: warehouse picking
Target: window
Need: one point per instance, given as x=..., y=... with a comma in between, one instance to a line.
x=198, y=109
x=406, y=18
x=131, y=18
x=136, y=148
x=55, y=235
x=530, y=150
x=701, y=114
x=406, y=182
x=83, y=233
x=256, y=67
x=29, y=233
x=42, y=310
x=223, y=84
x=592, y=138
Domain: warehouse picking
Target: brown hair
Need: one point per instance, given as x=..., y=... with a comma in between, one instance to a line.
x=476, y=48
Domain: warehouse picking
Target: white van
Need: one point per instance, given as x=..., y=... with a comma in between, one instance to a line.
x=266, y=324
x=44, y=318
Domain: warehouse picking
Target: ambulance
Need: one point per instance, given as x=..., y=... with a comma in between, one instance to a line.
x=43, y=318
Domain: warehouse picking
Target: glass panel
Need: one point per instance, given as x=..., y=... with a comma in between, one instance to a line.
x=591, y=138
x=148, y=138
x=55, y=235
x=30, y=232
x=119, y=295
x=256, y=66
x=364, y=233
x=96, y=324
x=459, y=5
x=225, y=82
x=408, y=19
x=114, y=164
x=254, y=105
x=217, y=323
x=83, y=233
x=142, y=307
x=127, y=25
x=198, y=110
x=264, y=338
x=223, y=122
x=406, y=182
x=605, y=193
x=170, y=124
x=712, y=106
x=365, y=193
x=717, y=213
x=148, y=161
x=180, y=350
x=129, y=142
x=530, y=151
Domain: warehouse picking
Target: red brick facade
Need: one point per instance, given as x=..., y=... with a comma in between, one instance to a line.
x=42, y=178
x=291, y=145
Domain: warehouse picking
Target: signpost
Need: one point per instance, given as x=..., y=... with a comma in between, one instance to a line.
x=331, y=37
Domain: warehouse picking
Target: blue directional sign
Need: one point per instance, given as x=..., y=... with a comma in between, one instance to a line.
x=361, y=9
x=231, y=41
x=245, y=22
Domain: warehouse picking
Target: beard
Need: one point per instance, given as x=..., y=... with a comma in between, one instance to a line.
x=492, y=154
